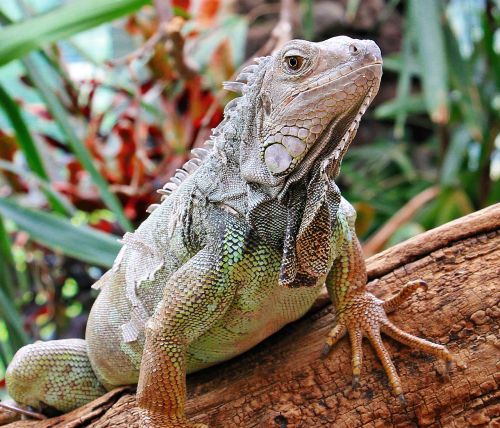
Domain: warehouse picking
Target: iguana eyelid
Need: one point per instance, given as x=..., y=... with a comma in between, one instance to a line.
x=293, y=52
x=304, y=58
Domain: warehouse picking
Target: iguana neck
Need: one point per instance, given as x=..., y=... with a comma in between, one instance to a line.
x=270, y=212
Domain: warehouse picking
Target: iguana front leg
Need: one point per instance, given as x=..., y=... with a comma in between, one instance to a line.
x=360, y=313
x=196, y=296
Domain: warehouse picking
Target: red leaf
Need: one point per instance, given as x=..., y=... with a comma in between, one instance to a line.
x=208, y=11
x=182, y=4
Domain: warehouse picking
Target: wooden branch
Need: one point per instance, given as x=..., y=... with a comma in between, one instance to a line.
x=421, y=245
x=283, y=382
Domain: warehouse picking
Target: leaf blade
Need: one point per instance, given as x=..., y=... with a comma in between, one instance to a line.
x=17, y=335
x=19, y=39
x=27, y=145
x=428, y=35
x=62, y=119
x=59, y=234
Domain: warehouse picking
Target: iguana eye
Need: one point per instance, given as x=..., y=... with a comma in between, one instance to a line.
x=294, y=62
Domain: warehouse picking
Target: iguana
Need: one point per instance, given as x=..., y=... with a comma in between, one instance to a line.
x=246, y=235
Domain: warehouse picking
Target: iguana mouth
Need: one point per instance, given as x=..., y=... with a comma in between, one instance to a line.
x=329, y=80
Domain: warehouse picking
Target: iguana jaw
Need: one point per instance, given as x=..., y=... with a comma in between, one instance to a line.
x=331, y=146
x=302, y=117
x=331, y=164
x=326, y=156
x=296, y=146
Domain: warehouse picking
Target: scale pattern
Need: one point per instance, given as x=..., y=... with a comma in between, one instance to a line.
x=54, y=374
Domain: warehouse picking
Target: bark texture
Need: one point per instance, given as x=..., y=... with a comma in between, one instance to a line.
x=283, y=382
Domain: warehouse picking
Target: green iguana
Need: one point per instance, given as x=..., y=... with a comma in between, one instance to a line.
x=246, y=235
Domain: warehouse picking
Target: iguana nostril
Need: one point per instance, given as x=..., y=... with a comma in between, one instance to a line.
x=353, y=49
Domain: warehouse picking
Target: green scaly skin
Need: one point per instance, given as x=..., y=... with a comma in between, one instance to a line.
x=241, y=246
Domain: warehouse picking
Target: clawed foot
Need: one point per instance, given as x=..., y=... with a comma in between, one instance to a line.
x=363, y=314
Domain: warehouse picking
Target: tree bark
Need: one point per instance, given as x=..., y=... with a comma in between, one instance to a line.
x=283, y=382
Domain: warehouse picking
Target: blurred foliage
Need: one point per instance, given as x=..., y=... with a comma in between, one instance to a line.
x=445, y=116
x=87, y=135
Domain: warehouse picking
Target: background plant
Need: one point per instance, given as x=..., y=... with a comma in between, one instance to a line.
x=93, y=122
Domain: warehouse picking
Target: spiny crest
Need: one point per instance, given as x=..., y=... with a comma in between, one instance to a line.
x=242, y=85
x=245, y=78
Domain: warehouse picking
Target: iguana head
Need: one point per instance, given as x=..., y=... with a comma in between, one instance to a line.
x=305, y=107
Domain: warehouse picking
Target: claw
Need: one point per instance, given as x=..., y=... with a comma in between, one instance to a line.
x=363, y=315
x=326, y=350
x=412, y=286
x=334, y=336
x=402, y=399
x=418, y=283
x=14, y=407
x=355, y=382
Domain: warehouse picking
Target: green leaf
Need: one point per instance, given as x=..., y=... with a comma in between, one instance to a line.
x=404, y=87
x=17, y=336
x=13, y=320
x=406, y=231
x=450, y=204
x=59, y=234
x=395, y=63
x=43, y=184
x=5, y=247
x=308, y=19
x=5, y=357
x=427, y=32
x=404, y=162
x=461, y=78
x=352, y=10
x=238, y=39
x=27, y=144
x=232, y=28
x=491, y=36
x=6, y=262
x=24, y=138
x=454, y=157
x=19, y=39
x=393, y=108
x=63, y=120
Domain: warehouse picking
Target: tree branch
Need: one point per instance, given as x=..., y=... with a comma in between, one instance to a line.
x=283, y=382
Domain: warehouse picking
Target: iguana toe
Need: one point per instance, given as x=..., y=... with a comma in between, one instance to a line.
x=10, y=411
x=363, y=315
